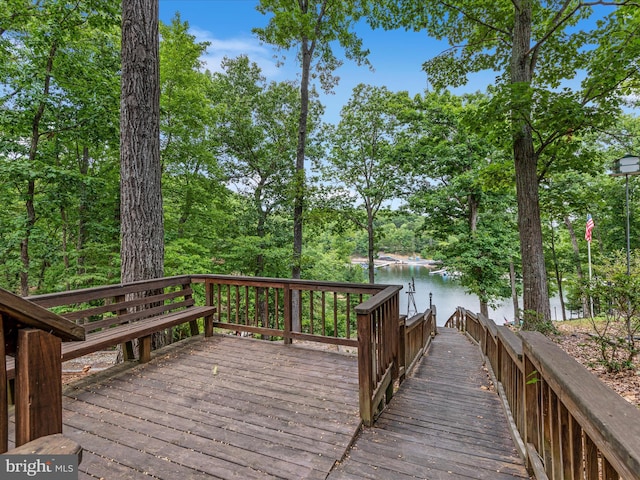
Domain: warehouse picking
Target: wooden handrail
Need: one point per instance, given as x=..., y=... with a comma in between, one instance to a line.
x=33, y=335
x=569, y=424
x=574, y=421
x=262, y=306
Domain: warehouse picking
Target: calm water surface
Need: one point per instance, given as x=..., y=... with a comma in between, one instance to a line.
x=447, y=293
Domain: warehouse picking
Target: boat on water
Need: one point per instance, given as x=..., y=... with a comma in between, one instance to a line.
x=445, y=273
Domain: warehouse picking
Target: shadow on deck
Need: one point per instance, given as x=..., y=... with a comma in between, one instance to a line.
x=445, y=422
x=230, y=407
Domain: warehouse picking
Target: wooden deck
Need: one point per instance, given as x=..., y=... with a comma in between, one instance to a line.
x=231, y=407
x=222, y=407
x=444, y=423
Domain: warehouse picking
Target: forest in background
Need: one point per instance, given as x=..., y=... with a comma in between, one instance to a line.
x=432, y=175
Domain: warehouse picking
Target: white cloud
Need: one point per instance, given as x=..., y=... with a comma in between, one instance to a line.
x=262, y=55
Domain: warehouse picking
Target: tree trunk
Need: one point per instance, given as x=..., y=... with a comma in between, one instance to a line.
x=31, y=187
x=537, y=312
x=556, y=268
x=83, y=167
x=576, y=259
x=484, y=308
x=299, y=178
x=514, y=293
x=371, y=246
x=142, y=226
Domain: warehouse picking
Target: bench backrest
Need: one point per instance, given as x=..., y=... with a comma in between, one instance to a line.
x=102, y=307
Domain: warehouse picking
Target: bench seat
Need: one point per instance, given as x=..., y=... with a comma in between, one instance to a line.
x=122, y=333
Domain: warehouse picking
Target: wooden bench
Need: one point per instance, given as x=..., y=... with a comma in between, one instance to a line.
x=118, y=314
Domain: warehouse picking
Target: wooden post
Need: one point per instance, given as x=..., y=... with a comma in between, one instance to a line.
x=144, y=348
x=288, y=318
x=402, y=347
x=4, y=397
x=38, y=408
x=365, y=365
x=208, y=320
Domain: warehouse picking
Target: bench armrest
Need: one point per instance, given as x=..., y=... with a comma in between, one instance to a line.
x=56, y=444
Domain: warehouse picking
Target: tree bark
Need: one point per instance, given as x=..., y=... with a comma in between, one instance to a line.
x=141, y=216
x=537, y=312
x=142, y=226
x=514, y=293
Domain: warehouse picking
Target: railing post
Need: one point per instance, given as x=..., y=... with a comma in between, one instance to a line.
x=365, y=368
x=288, y=318
x=208, y=321
x=4, y=398
x=38, y=385
x=402, y=347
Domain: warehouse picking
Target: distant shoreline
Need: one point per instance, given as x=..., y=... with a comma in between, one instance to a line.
x=394, y=259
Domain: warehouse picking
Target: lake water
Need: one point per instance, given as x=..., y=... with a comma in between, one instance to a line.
x=446, y=293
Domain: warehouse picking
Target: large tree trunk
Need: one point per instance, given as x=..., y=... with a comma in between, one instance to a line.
x=300, y=179
x=142, y=226
x=537, y=312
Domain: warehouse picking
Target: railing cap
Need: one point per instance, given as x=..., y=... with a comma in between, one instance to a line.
x=375, y=301
x=611, y=422
x=23, y=312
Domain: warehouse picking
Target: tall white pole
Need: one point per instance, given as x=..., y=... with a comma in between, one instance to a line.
x=590, y=297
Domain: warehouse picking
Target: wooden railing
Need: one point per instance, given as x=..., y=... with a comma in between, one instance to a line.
x=264, y=306
x=388, y=348
x=415, y=335
x=568, y=424
x=363, y=316
x=33, y=336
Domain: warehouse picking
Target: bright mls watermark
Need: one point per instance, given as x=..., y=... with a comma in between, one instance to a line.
x=50, y=467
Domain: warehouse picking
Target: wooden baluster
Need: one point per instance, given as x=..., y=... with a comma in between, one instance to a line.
x=276, y=309
x=531, y=403
x=348, y=315
x=323, y=307
x=335, y=315
x=556, y=455
x=310, y=310
x=608, y=472
x=237, y=292
x=576, y=454
x=591, y=467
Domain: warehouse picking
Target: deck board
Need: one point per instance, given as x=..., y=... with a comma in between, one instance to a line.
x=444, y=422
x=236, y=408
x=223, y=407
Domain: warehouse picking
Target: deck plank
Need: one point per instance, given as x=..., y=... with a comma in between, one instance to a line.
x=235, y=408
x=224, y=407
x=444, y=422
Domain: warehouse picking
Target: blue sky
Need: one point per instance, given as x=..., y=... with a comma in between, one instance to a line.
x=396, y=56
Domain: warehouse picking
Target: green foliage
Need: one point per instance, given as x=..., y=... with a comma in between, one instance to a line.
x=361, y=170
x=471, y=219
x=317, y=26
x=618, y=295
